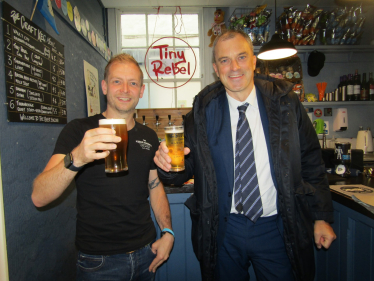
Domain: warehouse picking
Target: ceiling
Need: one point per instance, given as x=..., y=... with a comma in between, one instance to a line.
x=218, y=3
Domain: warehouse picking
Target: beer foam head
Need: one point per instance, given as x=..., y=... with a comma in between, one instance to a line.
x=174, y=129
x=111, y=121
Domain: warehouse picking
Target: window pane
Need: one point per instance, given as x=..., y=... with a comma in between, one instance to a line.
x=187, y=28
x=139, y=55
x=133, y=30
x=162, y=97
x=157, y=67
x=190, y=58
x=186, y=93
x=160, y=26
x=143, y=102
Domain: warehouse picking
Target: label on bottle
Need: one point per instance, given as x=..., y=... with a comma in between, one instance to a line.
x=350, y=90
x=372, y=89
x=364, y=95
x=356, y=89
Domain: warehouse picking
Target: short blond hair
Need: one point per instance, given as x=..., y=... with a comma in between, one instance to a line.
x=124, y=58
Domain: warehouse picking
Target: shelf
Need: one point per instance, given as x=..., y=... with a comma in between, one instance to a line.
x=345, y=103
x=330, y=48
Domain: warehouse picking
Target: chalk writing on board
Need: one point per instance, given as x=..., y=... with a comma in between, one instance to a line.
x=35, y=71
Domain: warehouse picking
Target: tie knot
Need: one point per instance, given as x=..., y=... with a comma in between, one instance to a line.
x=243, y=108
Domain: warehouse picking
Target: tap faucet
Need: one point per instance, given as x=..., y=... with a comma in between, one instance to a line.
x=157, y=123
x=144, y=123
x=170, y=123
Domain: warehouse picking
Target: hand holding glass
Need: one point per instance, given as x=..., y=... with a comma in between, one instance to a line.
x=116, y=161
x=174, y=137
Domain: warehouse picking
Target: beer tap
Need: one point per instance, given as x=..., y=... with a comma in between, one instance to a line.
x=170, y=123
x=157, y=123
x=183, y=116
x=144, y=123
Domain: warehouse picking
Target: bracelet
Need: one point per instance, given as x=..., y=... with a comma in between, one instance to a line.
x=167, y=230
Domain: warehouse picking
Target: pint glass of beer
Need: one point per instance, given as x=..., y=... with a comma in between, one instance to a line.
x=174, y=137
x=116, y=161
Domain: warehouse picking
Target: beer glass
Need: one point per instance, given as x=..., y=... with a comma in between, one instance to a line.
x=116, y=161
x=174, y=137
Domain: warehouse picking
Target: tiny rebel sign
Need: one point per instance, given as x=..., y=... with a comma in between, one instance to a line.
x=169, y=58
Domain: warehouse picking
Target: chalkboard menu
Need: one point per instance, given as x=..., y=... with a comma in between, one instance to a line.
x=34, y=70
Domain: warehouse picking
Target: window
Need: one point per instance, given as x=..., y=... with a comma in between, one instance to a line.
x=140, y=30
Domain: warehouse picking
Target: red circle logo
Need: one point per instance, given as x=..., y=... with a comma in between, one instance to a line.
x=167, y=62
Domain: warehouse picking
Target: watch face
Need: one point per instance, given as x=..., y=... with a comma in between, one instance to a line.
x=67, y=160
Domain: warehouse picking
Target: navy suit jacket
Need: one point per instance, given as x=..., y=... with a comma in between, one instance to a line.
x=221, y=148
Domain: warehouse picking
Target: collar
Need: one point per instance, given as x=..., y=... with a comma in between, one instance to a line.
x=251, y=99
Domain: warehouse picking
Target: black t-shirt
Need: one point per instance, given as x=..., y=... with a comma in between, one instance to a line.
x=113, y=209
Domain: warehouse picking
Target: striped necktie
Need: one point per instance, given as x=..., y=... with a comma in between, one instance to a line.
x=247, y=192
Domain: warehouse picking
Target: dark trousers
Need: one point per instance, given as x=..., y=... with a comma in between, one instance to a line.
x=260, y=244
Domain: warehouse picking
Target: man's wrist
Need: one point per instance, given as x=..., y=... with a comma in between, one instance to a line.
x=167, y=230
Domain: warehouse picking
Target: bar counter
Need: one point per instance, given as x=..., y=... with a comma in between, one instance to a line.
x=350, y=256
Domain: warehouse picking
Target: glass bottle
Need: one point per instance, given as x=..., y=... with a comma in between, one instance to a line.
x=371, y=86
x=356, y=86
x=364, y=93
x=344, y=88
x=349, y=88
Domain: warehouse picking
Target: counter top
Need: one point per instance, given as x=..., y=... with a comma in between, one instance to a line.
x=187, y=188
x=346, y=200
x=333, y=180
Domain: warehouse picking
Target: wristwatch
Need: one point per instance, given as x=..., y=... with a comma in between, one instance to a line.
x=68, y=161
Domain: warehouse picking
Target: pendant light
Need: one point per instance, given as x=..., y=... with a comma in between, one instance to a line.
x=276, y=48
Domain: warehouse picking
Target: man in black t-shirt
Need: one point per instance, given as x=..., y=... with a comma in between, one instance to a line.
x=115, y=231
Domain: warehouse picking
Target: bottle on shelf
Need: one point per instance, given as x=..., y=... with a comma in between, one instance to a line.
x=344, y=88
x=349, y=88
x=340, y=89
x=364, y=93
x=371, y=86
x=356, y=86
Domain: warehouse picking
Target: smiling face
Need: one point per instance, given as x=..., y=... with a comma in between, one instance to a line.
x=123, y=89
x=235, y=65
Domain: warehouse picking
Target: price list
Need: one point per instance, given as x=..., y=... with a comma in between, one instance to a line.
x=34, y=70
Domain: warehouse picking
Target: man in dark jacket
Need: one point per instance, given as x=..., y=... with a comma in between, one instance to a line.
x=288, y=186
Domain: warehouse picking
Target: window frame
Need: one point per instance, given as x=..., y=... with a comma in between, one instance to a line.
x=167, y=11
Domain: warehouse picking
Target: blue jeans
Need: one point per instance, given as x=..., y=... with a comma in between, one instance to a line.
x=122, y=267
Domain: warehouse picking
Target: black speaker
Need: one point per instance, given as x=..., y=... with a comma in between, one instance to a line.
x=357, y=158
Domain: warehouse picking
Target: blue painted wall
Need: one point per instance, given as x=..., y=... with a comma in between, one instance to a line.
x=40, y=242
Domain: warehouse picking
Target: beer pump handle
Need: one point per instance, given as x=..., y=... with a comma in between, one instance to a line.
x=170, y=123
x=157, y=123
x=144, y=123
x=183, y=116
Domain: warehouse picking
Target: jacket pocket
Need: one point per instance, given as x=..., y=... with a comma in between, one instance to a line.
x=196, y=231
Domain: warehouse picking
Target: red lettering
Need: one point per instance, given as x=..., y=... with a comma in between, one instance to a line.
x=160, y=47
x=167, y=70
x=188, y=68
x=157, y=70
x=175, y=68
x=183, y=70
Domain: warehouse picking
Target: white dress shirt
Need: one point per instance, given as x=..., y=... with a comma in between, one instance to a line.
x=265, y=180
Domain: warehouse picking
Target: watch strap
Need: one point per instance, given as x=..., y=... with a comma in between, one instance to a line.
x=71, y=166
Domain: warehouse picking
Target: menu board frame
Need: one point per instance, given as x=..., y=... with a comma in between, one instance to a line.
x=34, y=71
